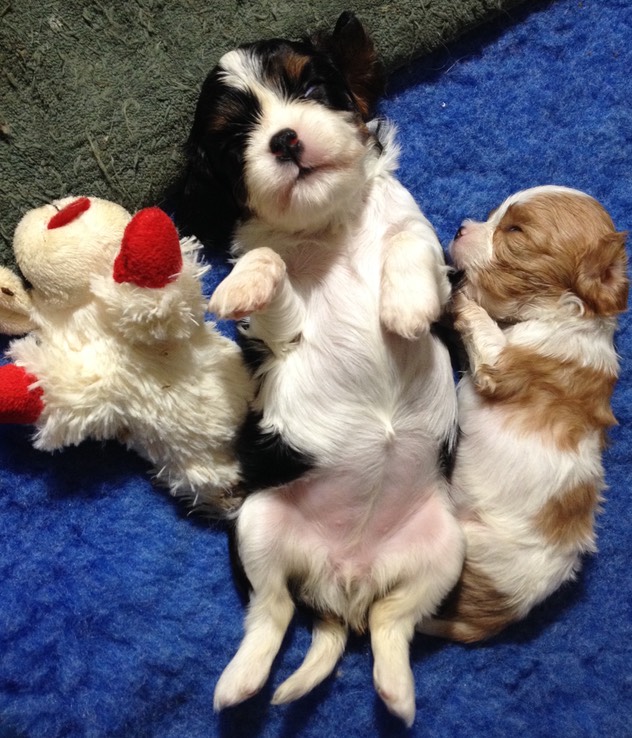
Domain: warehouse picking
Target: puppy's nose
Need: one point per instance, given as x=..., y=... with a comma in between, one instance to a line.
x=286, y=145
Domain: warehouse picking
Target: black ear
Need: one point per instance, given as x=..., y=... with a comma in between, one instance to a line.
x=354, y=53
x=202, y=207
x=202, y=200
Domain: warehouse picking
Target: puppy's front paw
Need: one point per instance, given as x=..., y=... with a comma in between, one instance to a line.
x=465, y=312
x=409, y=318
x=250, y=287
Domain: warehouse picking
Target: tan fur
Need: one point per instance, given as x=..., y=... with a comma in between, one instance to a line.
x=569, y=518
x=294, y=64
x=475, y=610
x=542, y=394
x=535, y=264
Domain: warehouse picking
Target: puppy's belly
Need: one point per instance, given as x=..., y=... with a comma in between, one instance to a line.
x=347, y=411
x=347, y=385
x=341, y=544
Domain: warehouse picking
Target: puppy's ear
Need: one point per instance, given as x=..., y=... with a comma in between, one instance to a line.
x=354, y=54
x=202, y=200
x=602, y=280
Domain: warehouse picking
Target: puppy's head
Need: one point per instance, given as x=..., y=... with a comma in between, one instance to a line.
x=280, y=125
x=544, y=249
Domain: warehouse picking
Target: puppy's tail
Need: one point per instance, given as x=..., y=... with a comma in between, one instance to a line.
x=474, y=611
x=456, y=630
x=329, y=638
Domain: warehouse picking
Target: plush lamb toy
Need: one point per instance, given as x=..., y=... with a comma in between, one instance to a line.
x=117, y=346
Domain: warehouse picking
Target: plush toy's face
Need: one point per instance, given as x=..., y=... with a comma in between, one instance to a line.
x=59, y=247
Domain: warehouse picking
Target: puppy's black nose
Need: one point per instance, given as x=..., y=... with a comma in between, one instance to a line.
x=286, y=145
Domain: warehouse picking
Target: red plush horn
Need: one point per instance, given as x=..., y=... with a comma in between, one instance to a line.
x=150, y=253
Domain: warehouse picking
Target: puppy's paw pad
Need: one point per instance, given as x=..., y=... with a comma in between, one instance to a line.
x=250, y=287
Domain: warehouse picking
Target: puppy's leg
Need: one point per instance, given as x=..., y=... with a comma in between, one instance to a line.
x=391, y=624
x=483, y=339
x=328, y=643
x=414, y=286
x=281, y=323
x=430, y=572
x=269, y=614
x=251, y=286
x=270, y=609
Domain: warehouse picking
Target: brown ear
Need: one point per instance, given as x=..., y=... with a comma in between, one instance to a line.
x=602, y=280
x=355, y=56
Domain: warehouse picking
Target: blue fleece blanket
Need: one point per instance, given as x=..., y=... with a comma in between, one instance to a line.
x=118, y=612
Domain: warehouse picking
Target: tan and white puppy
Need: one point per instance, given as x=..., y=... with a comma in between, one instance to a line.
x=545, y=278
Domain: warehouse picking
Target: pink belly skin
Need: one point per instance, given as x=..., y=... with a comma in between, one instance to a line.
x=345, y=547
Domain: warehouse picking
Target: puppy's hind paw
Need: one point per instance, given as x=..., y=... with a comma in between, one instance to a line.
x=287, y=692
x=235, y=686
x=398, y=694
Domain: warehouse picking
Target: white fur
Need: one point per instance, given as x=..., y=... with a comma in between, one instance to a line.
x=524, y=196
x=356, y=380
x=332, y=145
x=139, y=365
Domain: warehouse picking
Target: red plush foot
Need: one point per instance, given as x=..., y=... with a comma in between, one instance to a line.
x=150, y=254
x=18, y=404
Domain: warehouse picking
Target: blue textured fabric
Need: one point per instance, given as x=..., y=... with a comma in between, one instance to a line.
x=118, y=612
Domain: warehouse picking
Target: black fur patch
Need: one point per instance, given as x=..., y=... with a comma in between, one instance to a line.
x=254, y=350
x=239, y=573
x=447, y=454
x=266, y=459
x=208, y=199
x=444, y=330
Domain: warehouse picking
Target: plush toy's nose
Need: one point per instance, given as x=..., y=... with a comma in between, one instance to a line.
x=69, y=213
x=150, y=254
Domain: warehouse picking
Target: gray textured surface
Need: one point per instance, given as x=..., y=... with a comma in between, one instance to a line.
x=96, y=97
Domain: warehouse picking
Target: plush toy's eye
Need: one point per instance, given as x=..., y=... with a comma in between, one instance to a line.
x=69, y=213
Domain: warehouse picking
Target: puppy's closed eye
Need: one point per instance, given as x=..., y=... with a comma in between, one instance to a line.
x=313, y=90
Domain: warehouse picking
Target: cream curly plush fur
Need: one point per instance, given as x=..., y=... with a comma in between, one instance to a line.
x=107, y=358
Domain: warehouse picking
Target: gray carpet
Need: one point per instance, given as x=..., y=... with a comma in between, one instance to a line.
x=96, y=97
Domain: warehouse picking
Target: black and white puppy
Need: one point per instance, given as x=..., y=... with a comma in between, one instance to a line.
x=342, y=278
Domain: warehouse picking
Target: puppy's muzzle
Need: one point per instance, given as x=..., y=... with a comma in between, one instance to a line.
x=286, y=145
